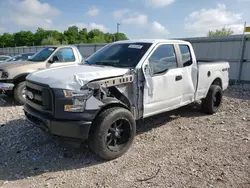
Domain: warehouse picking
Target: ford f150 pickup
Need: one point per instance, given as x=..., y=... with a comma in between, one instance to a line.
x=101, y=99
x=14, y=72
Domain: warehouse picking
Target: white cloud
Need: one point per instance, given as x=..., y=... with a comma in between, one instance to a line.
x=152, y=29
x=140, y=19
x=120, y=13
x=91, y=26
x=158, y=3
x=2, y=30
x=32, y=14
x=93, y=11
x=200, y=22
x=98, y=26
x=128, y=16
x=157, y=30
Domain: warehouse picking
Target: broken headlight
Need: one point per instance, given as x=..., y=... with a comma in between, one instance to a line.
x=79, y=99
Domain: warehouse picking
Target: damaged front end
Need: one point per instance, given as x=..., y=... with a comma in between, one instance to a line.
x=100, y=93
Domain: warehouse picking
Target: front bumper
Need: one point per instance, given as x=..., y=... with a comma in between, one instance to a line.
x=64, y=128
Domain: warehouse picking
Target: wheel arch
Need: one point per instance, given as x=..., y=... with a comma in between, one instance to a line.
x=110, y=103
x=217, y=81
x=20, y=78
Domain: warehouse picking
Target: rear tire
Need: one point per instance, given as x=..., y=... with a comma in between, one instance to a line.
x=19, y=92
x=213, y=100
x=112, y=133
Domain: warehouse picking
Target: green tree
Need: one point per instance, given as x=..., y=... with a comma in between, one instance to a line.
x=83, y=36
x=120, y=36
x=44, y=34
x=7, y=40
x=63, y=39
x=72, y=35
x=221, y=32
x=109, y=37
x=53, y=33
x=50, y=41
x=39, y=36
x=24, y=38
x=95, y=36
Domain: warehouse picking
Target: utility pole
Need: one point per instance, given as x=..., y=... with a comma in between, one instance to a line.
x=241, y=54
x=117, y=31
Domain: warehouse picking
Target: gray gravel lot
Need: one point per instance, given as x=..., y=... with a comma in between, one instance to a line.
x=182, y=148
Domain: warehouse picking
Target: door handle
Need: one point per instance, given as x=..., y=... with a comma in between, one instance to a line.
x=177, y=78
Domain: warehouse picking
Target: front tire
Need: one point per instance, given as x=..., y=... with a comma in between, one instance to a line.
x=19, y=92
x=112, y=133
x=213, y=100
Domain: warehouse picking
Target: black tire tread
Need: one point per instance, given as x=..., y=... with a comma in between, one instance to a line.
x=17, y=93
x=206, y=105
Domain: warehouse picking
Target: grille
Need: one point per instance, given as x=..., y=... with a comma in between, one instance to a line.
x=39, y=97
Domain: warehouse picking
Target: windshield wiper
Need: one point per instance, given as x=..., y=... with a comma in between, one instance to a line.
x=110, y=63
x=105, y=63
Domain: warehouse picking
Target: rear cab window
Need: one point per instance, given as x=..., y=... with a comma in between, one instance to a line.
x=186, y=58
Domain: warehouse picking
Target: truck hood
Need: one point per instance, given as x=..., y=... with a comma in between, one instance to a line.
x=73, y=77
x=10, y=64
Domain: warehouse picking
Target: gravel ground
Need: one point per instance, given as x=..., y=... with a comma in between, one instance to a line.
x=182, y=148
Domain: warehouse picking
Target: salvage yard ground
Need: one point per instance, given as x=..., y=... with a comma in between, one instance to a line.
x=182, y=148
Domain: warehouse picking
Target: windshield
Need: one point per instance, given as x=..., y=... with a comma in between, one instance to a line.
x=119, y=54
x=43, y=54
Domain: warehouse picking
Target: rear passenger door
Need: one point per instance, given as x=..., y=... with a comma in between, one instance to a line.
x=189, y=67
x=65, y=57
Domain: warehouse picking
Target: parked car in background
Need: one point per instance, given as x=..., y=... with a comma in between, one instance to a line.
x=4, y=57
x=21, y=57
x=16, y=71
x=101, y=99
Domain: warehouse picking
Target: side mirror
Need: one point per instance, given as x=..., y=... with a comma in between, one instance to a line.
x=53, y=59
x=146, y=70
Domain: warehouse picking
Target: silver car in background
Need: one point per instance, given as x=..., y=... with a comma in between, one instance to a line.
x=4, y=57
x=20, y=57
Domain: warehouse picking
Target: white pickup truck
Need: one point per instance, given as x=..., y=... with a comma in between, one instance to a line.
x=101, y=99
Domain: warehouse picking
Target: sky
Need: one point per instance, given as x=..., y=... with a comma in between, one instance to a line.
x=137, y=18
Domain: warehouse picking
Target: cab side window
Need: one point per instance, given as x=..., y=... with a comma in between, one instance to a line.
x=65, y=55
x=163, y=59
x=186, y=55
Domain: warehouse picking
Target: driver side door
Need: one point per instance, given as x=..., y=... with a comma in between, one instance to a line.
x=163, y=80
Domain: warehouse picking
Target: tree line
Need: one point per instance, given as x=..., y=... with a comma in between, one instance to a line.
x=73, y=35
x=220, y=32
